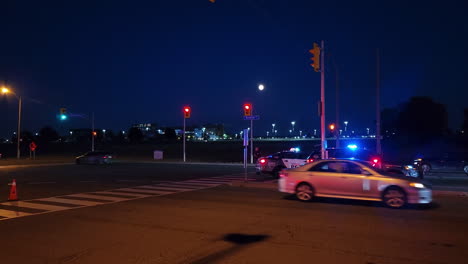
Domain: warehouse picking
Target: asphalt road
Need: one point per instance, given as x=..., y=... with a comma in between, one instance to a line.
x=226, y=224
x=173, y=213
x=45, y=181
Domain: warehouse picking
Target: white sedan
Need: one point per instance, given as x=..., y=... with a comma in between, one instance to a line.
x=353, y=179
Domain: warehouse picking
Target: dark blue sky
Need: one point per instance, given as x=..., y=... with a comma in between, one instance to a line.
x=141, y=61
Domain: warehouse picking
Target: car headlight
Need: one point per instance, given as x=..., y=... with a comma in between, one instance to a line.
x=417, y=185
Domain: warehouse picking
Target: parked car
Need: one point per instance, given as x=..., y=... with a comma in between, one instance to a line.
x=353, y=179
x=274, y=163
x=445, y=162
x=95, y=157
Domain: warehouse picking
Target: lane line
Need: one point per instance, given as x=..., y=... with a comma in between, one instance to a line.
x=120, y=194
x=132, y=190
x=97, y=196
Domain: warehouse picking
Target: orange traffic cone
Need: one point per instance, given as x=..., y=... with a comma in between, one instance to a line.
x=13, y=194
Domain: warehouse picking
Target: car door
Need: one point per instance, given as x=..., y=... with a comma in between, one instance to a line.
x=293, y=160
x=352, y=180
x=326, y=177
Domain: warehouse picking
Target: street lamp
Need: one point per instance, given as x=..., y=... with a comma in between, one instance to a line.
x=261, y=87
x=300, y=133
x=293, y=123
x=5, y=90
x=268, y=132
x=273, y=129
x=345, y=126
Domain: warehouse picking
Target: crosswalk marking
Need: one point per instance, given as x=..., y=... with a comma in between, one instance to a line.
x=68, y=201
x=46, y=207
x=134, y=190
x=96, y=196
x=79, y=200
x=130, y=195
x=12, y=214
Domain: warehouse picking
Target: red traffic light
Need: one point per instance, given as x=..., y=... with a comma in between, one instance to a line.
x=247, y=109
x=332, y=127
x=187, y=111
x=94, y=133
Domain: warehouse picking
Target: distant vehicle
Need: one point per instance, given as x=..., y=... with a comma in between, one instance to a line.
x=353, y=179
x=354, y=152
x=274, y=163
x=445, y=162
x=94, y=157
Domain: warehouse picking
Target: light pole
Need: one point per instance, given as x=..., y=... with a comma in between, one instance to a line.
x=300, y=133
x=345, y=126
x=293, y=123
x=268, y=132
x=273, y=128
x=5, y=90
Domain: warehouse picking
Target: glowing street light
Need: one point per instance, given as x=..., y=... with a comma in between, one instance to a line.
x=261, y=87
x=273, y=128
x=293, y=123
x=6, y=90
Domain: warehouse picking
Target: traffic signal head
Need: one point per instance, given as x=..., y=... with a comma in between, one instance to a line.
x=315, y=57
x=187, y=111
x=94, y=133
x=332, y=127
x=63, y=114
x=247, y=109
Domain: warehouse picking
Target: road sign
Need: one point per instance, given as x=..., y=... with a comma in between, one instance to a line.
x=32, y=146
x=254, y=117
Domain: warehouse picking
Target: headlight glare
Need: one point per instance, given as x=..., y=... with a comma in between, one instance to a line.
x=417, y=185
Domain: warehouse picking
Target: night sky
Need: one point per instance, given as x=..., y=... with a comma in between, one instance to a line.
x=142, y=61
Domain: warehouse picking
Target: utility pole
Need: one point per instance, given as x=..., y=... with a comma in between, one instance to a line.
x=92, y=132
x=18, y=135
x=337, y=109
x=377, y=95
x=322, y=101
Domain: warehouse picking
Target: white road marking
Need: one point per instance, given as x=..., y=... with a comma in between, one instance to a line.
x=136, y=195
x=96, y=196
x=131, y=190
x=12, y=214
x=46, y=207
x=112, y=196
x=68, y=201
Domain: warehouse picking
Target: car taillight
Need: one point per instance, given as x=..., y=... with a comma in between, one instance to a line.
x=375, y=160
x=310, y=160
x=105, y=157
x=262, y=161
x=283, y=174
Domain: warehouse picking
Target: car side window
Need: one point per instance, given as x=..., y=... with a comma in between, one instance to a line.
x=351, y=168
x=330, y=166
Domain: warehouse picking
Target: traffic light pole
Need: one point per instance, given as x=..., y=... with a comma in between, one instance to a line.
x=184, y=140
x=322, y=101
x=251, y=142
x=92, y=132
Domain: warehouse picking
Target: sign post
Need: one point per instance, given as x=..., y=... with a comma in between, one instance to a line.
x=251, y=118
x=246, y=144
x=32, y=150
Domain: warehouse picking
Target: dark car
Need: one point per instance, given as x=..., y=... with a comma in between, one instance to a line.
x=95, y=157
x=445, y=162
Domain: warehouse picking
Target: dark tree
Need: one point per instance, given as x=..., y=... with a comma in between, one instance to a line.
x=48, y=134
x=170, y=134
x=422, y=120
x=135, y=135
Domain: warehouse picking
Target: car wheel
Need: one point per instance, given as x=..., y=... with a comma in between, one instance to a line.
x=394, y=197
x=305, y=192
x=465, y=169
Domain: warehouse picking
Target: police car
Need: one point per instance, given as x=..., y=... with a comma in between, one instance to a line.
x=274, y=163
